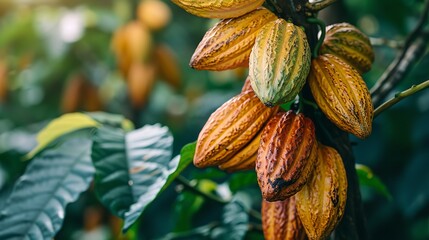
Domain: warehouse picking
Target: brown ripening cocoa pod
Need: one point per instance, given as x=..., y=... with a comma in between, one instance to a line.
x=73, y=94
x=168, y=66
x=286, y=155
x=230, y=128
x=280, y=220
x=4, y=84
x=91, y=101
x=321, y=203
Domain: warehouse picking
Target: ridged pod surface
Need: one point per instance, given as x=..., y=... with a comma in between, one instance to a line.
x=348, y=43
x=228, y=44
x=286, y=155
x=279, y=62
x=246, y=86
x=230, y=128
x=342, y=95
x=245, y=159
x=218, y=8
x=280, y=220
x=322, y=200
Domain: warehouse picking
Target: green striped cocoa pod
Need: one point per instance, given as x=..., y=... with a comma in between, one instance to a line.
x=279, y=62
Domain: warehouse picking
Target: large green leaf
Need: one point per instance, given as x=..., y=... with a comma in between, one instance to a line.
x=131, y=168
x=59, y=127
x=35, y=209
x=235, y=220
x=368, y=179
x=112, y=120
x=185, y=158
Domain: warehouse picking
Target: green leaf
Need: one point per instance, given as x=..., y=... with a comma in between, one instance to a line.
x=235, y=219
x=59, y=127
x=113, y=120
x=242, y=180
x=186, y=206
x=35, y=209
x=186, y=157
x=367, y=178
x=131, y=168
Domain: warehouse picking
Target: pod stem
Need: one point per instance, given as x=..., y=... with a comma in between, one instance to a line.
x=322, y=27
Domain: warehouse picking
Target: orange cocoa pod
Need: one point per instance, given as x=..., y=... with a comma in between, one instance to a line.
x=342, y=95
x=92, y=101
x=321, y=203
x=280, y=220
x=4, y=85
x=141, y=79
x=155, y=14
x=230, y=128
x=73, y=94
x=286, y=155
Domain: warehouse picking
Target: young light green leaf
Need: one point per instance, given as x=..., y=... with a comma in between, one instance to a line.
x=131, y=168
x=113, y=120
x=59, y=127
x=367, y=178
x=186, y=157
x=35, y=209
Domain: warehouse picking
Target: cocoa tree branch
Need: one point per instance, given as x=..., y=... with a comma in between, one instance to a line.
x=188, y=185
x=399, y=96
x=414, y=48
x=380, y=42
x=319, y=5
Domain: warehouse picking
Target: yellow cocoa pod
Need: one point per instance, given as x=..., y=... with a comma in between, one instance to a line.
x=322, y=201
x=155, y=14
x=218, y=8
x=245, y=158
x=348, y=43
x=342, y=95
x=228, y=44
x=286, y=155
x=280, y=220
x=140, y=82
x=230, y=128
x=279, y=62
x=168, y=66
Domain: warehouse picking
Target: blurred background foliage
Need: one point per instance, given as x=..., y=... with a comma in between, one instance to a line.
x=49, y=47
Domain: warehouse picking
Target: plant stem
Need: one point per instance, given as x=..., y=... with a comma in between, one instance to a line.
x=399, y=96
x=319, y=5
x=187, y=184
x=380, y=42
x=413, y=50
x=322, y=27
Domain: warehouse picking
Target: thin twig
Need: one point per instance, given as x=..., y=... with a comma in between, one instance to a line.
x=413, y=50
x=319, y=5
x=399, y=96
x=381, y=42
x=187, y=184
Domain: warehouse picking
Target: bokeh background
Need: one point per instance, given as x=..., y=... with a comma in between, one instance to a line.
x=59, y=56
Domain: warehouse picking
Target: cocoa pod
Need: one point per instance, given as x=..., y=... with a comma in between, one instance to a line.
x=322, y=201
x=246, y=86
x=279, y=62
x=245, y=158
x=227, y=45
x=230, y=128
x=141, y=79
x=280, y=220
x=132, y=43
x=155, y=14
x=348, y=43
x=4, y=82
x=73, y=94
x=91, y=98
x=286, y=155
x=342, y=95
x=218, y=9
x=168, y=66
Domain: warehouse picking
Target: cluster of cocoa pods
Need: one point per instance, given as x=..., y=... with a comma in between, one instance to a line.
x=303, y=182
x=140, y=59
